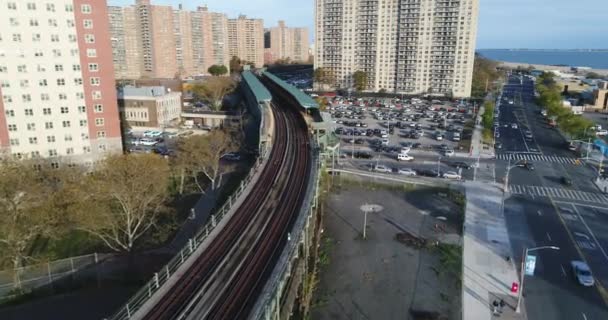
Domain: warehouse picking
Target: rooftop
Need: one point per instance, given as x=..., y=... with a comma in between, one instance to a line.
x=303, y=99
x=261, y=93
x=152, y=91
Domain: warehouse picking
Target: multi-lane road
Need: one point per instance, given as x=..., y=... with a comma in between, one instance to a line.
x=542, y=210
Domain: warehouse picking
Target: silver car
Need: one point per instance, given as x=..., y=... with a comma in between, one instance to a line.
x=582, y=273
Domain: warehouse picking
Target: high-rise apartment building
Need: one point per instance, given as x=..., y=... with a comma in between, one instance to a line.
x=283, y=42
x=246, y=39
x=57, y=91
x=404, y=46
x=161, y=42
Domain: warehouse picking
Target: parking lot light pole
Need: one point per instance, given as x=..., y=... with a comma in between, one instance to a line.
x=523, y=274
x=439, y=166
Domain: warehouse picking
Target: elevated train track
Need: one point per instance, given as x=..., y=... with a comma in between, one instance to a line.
x=226, y=279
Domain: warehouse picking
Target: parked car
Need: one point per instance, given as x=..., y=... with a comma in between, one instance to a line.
x=582, y=273
x=363, y=155
x=407, y=172
x=459, y=165
x=448, y=153
x=404, y=157
x=231, y=156
x=514, y=126
x=148, y=142
x=405, y=150
x=382, y=169
x=566, y=181
x=451, y=175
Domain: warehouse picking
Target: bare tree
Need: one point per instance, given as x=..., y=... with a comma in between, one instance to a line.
x=213, y=91
x=200, y=155
x=126, y=197
x=26, y=210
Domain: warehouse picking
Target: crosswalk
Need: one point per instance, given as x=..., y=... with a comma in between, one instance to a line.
x=535, y=157
x=559, y=193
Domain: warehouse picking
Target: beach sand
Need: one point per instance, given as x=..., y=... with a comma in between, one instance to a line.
x=548, y=67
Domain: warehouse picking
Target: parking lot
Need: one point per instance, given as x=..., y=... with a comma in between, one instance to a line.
x=423, y=135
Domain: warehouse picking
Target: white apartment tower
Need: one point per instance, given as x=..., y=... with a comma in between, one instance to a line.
x=404, y=46
x=57, y=93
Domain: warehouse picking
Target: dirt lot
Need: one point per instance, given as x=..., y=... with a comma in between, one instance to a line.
x=398, y=268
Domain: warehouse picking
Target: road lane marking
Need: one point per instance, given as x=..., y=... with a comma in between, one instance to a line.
x=540, y=213
x=584, y=316
x=549, y=236
x=590, y=232
x=563, y=270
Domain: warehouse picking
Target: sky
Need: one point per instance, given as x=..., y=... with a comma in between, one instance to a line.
x=535, y=24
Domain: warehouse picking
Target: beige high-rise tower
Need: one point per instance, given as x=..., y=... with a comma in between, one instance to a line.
x=246, y=39
x=284, y=42
x=162, y=42
x=404, y=46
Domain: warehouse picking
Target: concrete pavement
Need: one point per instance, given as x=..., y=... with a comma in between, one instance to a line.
x=487, y=275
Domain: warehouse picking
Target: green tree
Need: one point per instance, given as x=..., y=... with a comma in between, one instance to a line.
x=200, y=156
x=484, y=76
x=592, y=75
x=125, y=199
x=360, y=80
x=324, y=76
x=213, y=90
x=235, y=64
x=28, y=209
x=217, y=70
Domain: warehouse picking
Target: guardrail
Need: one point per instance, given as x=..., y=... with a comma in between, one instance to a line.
x=161, y=277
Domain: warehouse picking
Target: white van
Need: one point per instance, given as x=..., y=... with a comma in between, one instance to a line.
x=404, y=157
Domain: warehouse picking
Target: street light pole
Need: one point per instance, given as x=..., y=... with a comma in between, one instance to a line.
x=523, y=274
x=439, y=166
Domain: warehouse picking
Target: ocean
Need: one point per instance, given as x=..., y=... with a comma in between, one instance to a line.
x=592, y=59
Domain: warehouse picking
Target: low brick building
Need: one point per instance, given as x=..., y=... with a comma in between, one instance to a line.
x=149, y=107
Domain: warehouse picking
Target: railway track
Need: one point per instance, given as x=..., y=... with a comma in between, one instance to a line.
x=225, y=280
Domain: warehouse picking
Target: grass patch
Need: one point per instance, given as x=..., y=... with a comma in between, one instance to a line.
x=450, y=258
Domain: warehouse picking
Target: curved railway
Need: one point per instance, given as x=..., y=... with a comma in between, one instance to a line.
x=225, y=280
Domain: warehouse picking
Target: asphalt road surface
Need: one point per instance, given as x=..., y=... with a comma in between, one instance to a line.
x=544, y=211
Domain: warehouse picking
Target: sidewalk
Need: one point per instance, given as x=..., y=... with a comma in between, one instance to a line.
x=487, y=275
x=477, y=150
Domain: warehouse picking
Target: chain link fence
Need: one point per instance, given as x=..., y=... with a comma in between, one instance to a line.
x=26, y=279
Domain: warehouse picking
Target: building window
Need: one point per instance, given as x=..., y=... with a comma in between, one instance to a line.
x=58, y=67
x=22, y=68
x=86, y=8
x=91, y=53
x=14, y=22
x=29, y=112
x=12, y=6
x=82, y=109
x=74, y=52
x=69, y=151
x=24, y=83
x=98, y=108
x=33, y=23
x=67, y=137
x=6, y=84
x=54, y=38
x=50, y=139
x=3, y=69
x=56, y=53
x=33, y=140
x=64, y=110
x=99, y=122
x=48, y=125
x=86, y=149
x=52, y=153
x=89, y=38
x=17, y=37
x=12, y=127
x=46, y=111
x=72, y=37
x=69, y=8
x=66, y=124
x=88, y=23
x=102, y=147
x=26, y=97
x=14, y=142
x=38, y=53
x=101, y=134
x=96, y=95
x=63, y=96
x=31, y=6
x=84, y=136
x=76, y=67
x=93, y=67
x=52, y=22
x=78, y=81
x=10, y=113
x=95, y=81
x=70, y=23
x=45, y=97
x=31, y=127
x=36, y=37
x=61, y=82
x=83, y=123
x=50, y=7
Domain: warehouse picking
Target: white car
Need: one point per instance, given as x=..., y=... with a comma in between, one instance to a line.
x=404, y=157
x=448, y=153
x=148, y=142
x=601, y=132
x=385, y=142
x=452, y=175
x=405, y=150
x=582, y=273
x=152, y=134
x=407, y=172
x=439, y=137
x=514, y=126
x=382, y=169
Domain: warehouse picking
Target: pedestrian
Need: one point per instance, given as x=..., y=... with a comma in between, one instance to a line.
x=501, y=304
x=495, y=307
